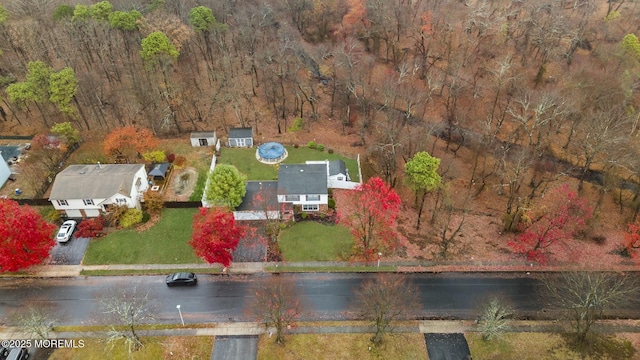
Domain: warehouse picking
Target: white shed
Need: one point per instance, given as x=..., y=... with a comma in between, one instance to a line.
x=203, y=138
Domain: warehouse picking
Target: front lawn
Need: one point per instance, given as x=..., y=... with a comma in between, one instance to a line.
x=174, y=347
x=546, y=346
x=165, y=243
x=312, y=241
x=245, y=161
x=343, y=346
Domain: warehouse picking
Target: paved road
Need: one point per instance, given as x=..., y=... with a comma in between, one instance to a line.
x=220, y=298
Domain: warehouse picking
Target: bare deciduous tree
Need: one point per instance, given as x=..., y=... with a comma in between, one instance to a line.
x=586, y=297
x=384, y=299
x=124, y=311
x=276, y=304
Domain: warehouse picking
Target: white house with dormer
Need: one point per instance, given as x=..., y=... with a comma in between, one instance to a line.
x=83, y=191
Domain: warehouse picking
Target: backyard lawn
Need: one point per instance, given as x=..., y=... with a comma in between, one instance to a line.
x=245, y=161
x=312, y=241
x=164, y=243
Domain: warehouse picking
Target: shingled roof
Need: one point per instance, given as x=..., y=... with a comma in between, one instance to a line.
x=297, y=179
x=94, y=181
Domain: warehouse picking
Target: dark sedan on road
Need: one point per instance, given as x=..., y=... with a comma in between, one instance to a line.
x=182, y=279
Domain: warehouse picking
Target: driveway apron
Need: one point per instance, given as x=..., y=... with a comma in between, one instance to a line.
x=236, y=347
x=447, y=347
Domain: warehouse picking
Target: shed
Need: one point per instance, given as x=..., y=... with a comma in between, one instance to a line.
x=203, y=138
x=159, y=170
x=241, y=137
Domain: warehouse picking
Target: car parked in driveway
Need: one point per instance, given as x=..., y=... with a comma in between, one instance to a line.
x=182, y=279
x=66, y=231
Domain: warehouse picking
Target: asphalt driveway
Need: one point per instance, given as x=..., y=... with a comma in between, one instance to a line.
x=70, y=253
x=447, y=347
x=237, y=347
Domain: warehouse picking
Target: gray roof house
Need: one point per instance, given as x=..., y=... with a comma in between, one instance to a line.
x=304, y=185
x=88, y=190
x=338, y=170
x=241, y=137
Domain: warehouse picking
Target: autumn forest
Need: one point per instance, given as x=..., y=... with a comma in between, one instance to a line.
x=523, y=95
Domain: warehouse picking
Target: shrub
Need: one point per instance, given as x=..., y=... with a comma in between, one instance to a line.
x=131, y=217
x=52, y=215
x=495, y=318
x=91, y=228
x=330, y=151
x=295, y=146
x=298, y=123
x=320, y=147
x=311, y=145
x=115, y=214
x=171, y=157
x=179, y=161
x=153, y=202
x=331, y=204
x=304, y=215
x=155, y=156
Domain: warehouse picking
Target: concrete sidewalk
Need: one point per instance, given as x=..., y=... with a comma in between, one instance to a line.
x=261, y=267
x=423, y=326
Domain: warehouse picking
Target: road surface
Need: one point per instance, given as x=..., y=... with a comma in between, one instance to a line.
x=76, y=301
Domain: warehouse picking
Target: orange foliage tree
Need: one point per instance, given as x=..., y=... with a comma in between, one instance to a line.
x=631, y=244
x=128, y=143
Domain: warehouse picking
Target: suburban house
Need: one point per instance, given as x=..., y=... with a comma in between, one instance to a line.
x=5, y=172
x=203, y=138
x=337, y=174
x=241, y=137
x=303, y=185
x=88, y=190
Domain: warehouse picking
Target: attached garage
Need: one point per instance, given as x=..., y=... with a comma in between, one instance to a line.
x=74, y=213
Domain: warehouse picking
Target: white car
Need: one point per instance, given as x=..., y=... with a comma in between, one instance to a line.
x=66, y=230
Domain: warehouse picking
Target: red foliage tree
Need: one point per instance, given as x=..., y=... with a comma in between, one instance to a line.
x=25, y=237
x=631, y=244
x=129, y=142
x=552, y=225
x=215, y=235
x=91, y=228
x=370, y=212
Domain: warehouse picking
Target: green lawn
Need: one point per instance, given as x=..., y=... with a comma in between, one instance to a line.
x=546, y=346
x=343, y=346
x=245, y=161
x=174, y=347
x=164, y=243
x=312, y=241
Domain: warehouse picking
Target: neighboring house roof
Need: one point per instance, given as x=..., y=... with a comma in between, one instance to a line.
x=238, y=133
x=268, y=190
x=337, y=167
x=94, y=181
x=159, y=169
x=296, y=179
x=203, y=134
x=9, y=152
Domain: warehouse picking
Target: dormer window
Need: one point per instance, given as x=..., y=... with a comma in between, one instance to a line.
x=88, y=202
